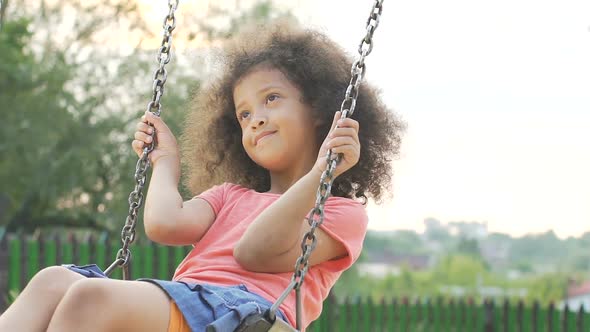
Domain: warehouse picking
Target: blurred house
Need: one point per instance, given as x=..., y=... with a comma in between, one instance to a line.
x=469, y=230
x=496, y=254
x=578, y=294
x=383, y=264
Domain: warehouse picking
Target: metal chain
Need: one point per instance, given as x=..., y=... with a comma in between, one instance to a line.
x=135, y=200
x=316, y=215
x=358, y=67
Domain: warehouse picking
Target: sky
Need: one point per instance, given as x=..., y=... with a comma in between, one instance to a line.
x=496, y=96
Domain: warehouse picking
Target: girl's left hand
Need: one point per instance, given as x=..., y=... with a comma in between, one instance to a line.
x=343, y=139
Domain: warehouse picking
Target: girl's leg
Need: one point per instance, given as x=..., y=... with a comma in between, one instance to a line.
x=33, y=308
x=112, y=305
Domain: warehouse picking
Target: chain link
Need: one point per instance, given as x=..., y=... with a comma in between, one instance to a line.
x=316, y=215
x=357, y=71
x=123, y=257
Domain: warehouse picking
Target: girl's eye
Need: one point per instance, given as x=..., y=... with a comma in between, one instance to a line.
x=271, y=98
x=243, y=115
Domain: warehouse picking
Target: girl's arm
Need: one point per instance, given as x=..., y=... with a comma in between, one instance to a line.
x=167, y=218
x=272, y=243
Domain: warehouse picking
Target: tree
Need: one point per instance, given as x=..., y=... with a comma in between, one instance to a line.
x=469, y=247
x=71, y=103
x=459, y=270
x=547, y=288
x=544, y=249
x=59, y=151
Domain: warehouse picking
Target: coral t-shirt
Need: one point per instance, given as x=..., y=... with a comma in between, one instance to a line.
x=212, y=261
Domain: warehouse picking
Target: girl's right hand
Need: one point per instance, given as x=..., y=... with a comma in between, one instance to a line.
x=166, y=147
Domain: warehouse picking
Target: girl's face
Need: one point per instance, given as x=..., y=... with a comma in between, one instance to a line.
x=278, y=130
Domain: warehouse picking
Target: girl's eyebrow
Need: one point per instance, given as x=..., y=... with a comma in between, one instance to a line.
x=269, y=87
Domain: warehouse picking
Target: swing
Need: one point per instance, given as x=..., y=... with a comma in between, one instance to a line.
x=260, y=322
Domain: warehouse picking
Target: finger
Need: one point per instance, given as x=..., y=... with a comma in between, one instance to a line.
x=346, y=131
x=144, y=127
x=143, y=137
x=335, y=121
x=340, y=141
x=349, y=152
x=348, y=123
x=156, y=122
x=137, y=146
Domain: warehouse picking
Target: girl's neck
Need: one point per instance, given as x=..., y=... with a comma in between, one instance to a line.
x=282, y=181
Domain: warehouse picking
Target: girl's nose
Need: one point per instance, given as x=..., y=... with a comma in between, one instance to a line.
x=259, y=120
x=258, y=123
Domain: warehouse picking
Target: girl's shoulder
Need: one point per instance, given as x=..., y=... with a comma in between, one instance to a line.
x=345, y=203
x=237, y=191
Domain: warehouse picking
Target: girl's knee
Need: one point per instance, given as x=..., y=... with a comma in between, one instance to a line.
x=87, y=295
x=53, y=280
x=83, y=300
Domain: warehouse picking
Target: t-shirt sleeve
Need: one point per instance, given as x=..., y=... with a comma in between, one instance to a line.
x=215, y=196
x=346, y=221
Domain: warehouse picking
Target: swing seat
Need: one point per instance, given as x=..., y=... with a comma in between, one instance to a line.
x=89, y=271
x=261, y=323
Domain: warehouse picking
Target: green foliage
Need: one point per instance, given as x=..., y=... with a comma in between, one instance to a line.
x=547, y=288
x=453, y=276
x=259, y=13
x=462, y=270
x=57, y=154
x=403, y=242
x=532, y=267
x=468, y=247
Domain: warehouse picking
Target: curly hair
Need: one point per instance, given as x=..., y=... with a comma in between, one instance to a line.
x=212, y=140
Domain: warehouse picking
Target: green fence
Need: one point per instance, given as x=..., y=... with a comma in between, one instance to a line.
x=447, y=316
x=22, y=256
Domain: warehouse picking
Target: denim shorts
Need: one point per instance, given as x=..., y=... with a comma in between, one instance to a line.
x=204, y=306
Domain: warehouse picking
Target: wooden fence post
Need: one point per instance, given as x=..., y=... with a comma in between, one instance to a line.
x=418, y=319
x=520, y=316
x=565, y=318
x=343, y=314
x=22, y=248
x=580, y=319
x=471, y=315
x=385, y=315
x=454, y=305
x=3, y=271
x=489, y=318
x=536, y=316
x=505, y=315
x=33, y=256
x=404, y=315
x=550, y=317
x=393, y=315
x=461, y=315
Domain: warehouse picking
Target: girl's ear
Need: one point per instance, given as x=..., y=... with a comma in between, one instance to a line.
x=317, y=123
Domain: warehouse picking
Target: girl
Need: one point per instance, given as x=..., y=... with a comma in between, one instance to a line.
x=255, y=148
